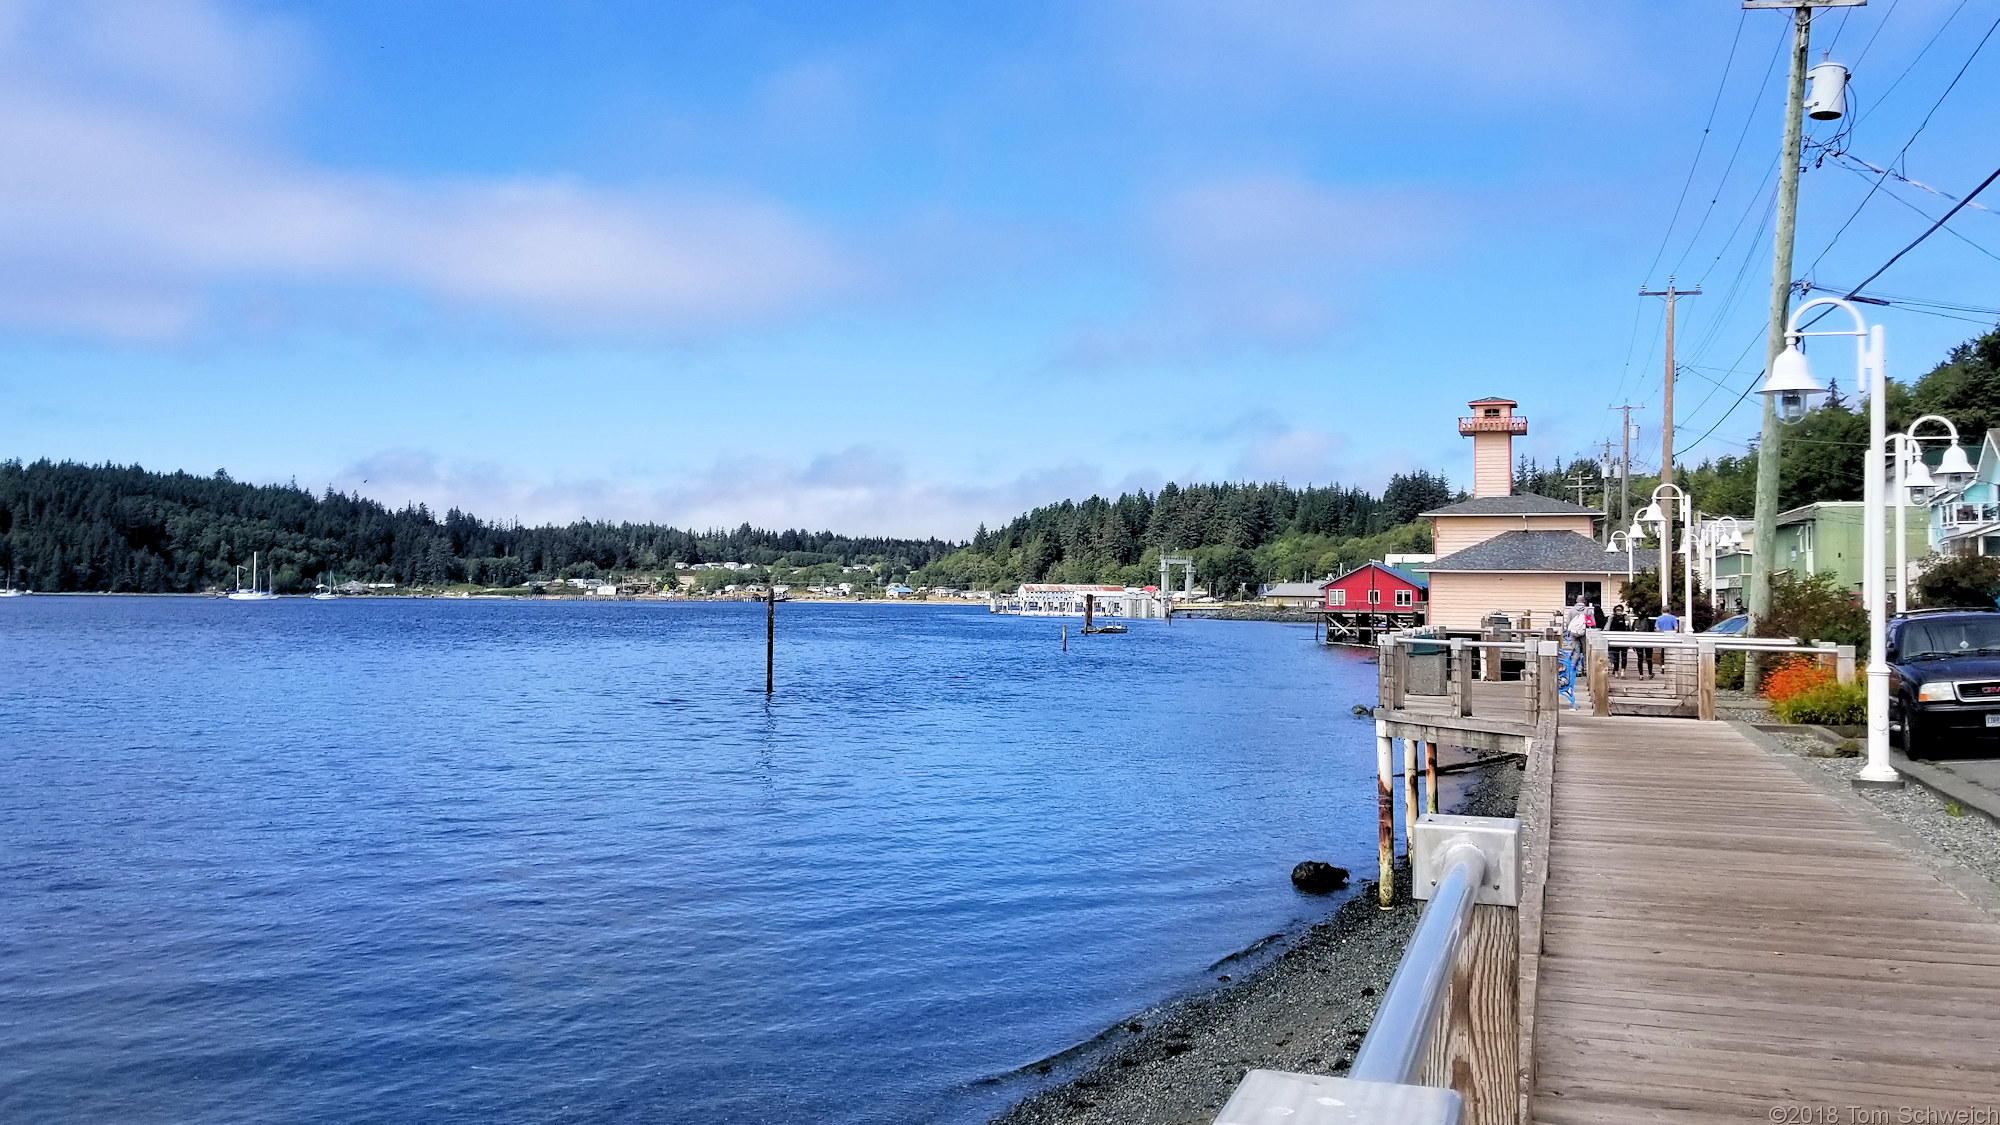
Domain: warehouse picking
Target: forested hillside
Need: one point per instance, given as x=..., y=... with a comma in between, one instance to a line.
x=66, y=526
x=1238, y=534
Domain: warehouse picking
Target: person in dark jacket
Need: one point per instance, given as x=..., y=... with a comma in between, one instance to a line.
x=1644, y=624
x=1619, y=624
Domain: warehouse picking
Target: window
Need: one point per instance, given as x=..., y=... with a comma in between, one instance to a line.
x=1336, y=597
x=1989, y=544
x=1403, y=597
x=1491, y=412
x=1591, y=592
x=1374, y=597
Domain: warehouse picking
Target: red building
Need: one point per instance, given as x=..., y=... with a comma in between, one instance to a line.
x=1375, y=595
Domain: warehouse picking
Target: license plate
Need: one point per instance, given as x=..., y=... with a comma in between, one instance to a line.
x=1993, y=718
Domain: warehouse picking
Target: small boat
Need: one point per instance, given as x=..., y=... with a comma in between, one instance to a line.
x=9, y=591
x=253, y=594
x=326, y=592
x=1106, y=629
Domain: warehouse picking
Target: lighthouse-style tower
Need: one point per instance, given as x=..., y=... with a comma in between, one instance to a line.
x=1492, y=428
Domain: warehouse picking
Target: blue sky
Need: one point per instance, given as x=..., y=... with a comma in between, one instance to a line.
x=900, y=268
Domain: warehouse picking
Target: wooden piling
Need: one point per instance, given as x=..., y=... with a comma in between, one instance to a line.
x=1430, y=776
x=1065, y=638
x=1385, y=816
x=1089, y=610
x=1409, y=792
x=770, y=638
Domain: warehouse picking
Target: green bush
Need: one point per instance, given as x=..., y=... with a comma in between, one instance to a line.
x=1832, y=705
x=1729, y=670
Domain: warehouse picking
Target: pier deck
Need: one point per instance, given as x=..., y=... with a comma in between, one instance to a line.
x=1722, y=940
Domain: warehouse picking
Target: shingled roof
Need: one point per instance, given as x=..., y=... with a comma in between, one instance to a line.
x=1554, y=552
x=1521, y=505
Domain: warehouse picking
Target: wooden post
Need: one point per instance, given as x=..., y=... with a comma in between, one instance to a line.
x=1065, y=638
x=1089, y=610
x=1409, y=792
x=1402, y=679
x=1430, y=776
x=1844, y=663
x=1385, y=815
x=1547, y=690
x=1461, y=678
x=1476, y=1047
x=1704, y=680
x=770, y=638
x=1598, y=660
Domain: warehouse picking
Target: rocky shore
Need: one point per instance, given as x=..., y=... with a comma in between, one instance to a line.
x=1304, y=1010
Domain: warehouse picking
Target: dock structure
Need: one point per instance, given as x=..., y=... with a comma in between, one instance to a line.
x=1721, y=939
x=1681, y=924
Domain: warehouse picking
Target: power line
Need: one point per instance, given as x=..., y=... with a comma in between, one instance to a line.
x=1695, y=164
x=1859, y=207
x=1736, y=151
x=1906, y=203
x=1884, y=22
x=1956, y=207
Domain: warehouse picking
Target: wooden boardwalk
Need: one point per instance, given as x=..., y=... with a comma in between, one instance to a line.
x=1724, y=941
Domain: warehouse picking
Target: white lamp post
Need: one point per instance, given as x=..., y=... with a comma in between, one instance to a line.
x=1912, y=475
x=1713, y=535
x=1791, y=385
x=1624, y=539
x=1663, y=519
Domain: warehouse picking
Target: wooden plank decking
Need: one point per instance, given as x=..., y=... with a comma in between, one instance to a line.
x=1723, y=941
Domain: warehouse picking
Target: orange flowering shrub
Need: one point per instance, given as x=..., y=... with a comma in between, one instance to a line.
x=1795, y=676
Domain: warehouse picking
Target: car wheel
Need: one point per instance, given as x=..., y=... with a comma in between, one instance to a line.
x=1914, y=742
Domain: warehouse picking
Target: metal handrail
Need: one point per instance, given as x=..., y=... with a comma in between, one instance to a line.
x=1394, y=1048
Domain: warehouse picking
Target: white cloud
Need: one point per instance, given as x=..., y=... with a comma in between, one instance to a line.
x=137, y=188
x=857, y=491
x=1265, y=261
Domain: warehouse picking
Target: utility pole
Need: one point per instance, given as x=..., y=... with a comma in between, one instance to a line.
x=1667, y=409
x=1667, y=440
x=1604, y=479
x=1625, y=468
x=1764, y=545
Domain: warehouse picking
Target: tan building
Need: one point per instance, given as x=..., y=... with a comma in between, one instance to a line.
x=1523, y=556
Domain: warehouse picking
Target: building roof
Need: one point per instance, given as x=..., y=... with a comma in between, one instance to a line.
x=1555, y=552
x=1492, y=401
x=1520, y=504
x=1405, y=575
x=1294, y=589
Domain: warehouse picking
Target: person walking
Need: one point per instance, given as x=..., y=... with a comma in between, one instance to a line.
x=1667, y=622
x=1643, y=623
x=1619, y=624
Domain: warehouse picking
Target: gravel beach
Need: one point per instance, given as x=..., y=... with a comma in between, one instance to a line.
x=1304, y=1010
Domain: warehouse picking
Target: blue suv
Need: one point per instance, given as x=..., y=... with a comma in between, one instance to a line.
x=1945, y=680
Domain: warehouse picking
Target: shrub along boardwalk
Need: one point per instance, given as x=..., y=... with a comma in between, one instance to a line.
x=1722, y=941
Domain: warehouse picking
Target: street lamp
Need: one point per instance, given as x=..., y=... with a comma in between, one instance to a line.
x=1712, y=535
x=1616, y=539
x=1663, y=519
x=1790, y=384
x=1914, y=479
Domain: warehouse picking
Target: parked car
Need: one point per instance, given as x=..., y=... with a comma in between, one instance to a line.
x=1731, y=626
x=1945, y=680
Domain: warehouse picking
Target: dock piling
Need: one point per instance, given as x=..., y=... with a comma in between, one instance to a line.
x=1385, y=815
x=770, y=638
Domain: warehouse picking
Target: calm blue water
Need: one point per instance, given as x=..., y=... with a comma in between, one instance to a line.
x=428, y=860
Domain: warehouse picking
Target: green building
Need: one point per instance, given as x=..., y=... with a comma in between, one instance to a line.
x=1819, y=537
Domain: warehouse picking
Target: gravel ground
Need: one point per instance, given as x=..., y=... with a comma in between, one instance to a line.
x=1968, y=839
x=1742, y=705
x=1305, y=1010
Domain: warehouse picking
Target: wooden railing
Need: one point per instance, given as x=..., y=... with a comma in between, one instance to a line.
x=1684, y=669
